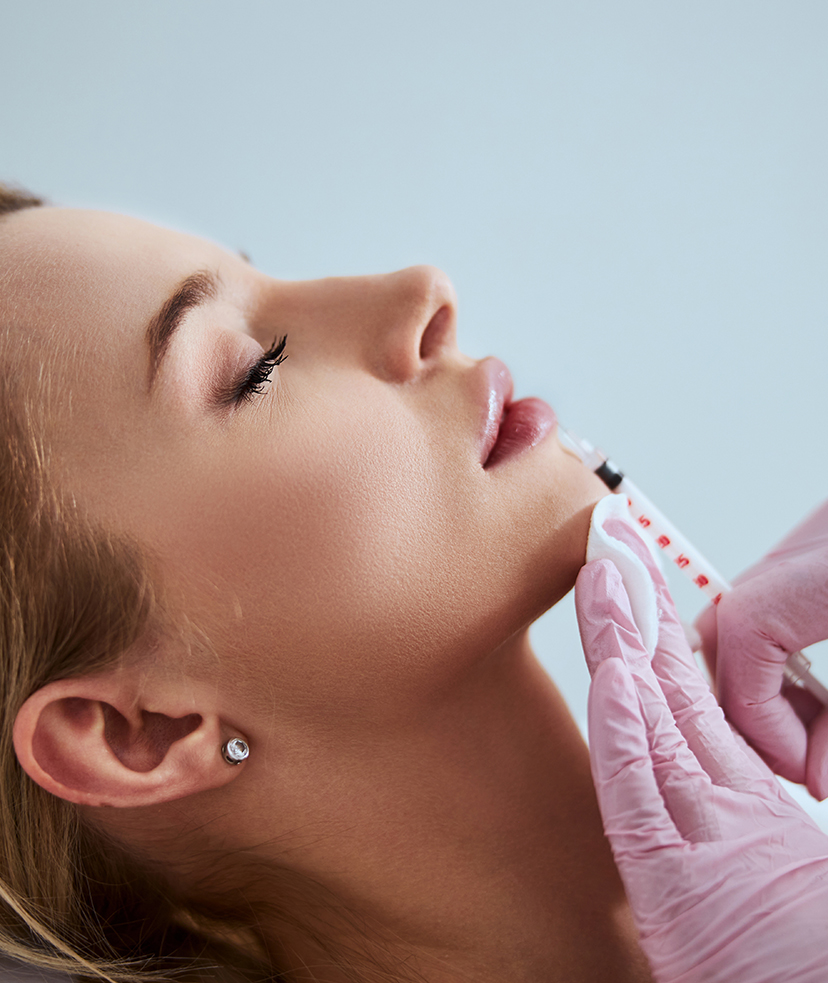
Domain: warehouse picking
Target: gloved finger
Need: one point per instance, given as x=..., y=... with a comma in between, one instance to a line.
x=805, y=705
x=635, y=816
x=776, y=612
x=750, y=665
x=605, y=621
x=805, y=547
x=816, y=768
x=698, y=716
x=786, y=605
x=609, y=633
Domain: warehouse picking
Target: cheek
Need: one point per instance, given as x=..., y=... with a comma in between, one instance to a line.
x=336, y=549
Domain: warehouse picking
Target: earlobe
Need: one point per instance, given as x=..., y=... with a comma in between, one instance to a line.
x=88, y=740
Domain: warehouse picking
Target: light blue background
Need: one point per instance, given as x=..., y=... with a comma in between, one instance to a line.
x=630, y=198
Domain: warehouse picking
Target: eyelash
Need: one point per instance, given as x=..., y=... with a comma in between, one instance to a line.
x=259, y=373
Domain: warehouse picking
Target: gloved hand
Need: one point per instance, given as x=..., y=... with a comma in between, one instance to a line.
x=778, y=606
x=726, y=876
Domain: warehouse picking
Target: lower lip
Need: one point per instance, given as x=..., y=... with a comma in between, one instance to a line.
x=524, y=425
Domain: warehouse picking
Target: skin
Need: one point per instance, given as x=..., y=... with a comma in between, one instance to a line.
x=366, y=587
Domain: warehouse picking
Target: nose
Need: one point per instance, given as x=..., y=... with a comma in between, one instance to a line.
x=395, y=325
x=413, y=323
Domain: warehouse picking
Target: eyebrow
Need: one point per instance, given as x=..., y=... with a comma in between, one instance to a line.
x=194, y=290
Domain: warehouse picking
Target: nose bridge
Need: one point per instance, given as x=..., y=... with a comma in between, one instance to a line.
x=384, y=323
x=424, y=289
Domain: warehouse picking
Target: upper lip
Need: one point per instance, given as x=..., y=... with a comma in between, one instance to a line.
x=497, y=396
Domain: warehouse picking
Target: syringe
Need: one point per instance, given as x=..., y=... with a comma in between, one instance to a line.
x=677, y=548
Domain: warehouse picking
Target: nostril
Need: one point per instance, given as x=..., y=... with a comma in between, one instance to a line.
x=437, y=332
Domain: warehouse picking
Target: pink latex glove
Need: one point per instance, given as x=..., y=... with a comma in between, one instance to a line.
x=778, y=606
x=726, y=876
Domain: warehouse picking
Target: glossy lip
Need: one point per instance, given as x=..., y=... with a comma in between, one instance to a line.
x=498, y=395
x=510, y=428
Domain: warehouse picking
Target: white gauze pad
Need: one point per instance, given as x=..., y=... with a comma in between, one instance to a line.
x=637, y=582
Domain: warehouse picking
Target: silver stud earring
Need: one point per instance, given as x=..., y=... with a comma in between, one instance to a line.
x=234, y=751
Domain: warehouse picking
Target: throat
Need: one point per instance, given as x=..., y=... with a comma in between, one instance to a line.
x=472, y=848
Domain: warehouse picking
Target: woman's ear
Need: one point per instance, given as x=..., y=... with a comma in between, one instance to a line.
x=123, y=738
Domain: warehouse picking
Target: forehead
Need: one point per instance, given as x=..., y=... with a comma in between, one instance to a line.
x=89, y=270
x=77, y=291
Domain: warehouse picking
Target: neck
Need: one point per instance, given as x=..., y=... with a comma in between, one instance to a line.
x=472, y=839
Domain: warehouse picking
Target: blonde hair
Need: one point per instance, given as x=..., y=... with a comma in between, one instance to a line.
x=74, y=597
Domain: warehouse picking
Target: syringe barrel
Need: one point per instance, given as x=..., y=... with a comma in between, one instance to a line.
x=672, y=543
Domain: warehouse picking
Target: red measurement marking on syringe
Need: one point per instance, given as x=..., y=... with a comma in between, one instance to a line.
x=701, y=581
x=717, y=598
x=663, y=542
x=682, y=561
x=644, y=521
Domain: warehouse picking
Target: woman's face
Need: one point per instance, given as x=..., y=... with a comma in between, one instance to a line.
x=343, y=532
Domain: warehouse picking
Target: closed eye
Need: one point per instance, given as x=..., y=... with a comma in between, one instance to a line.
x=253, y=382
